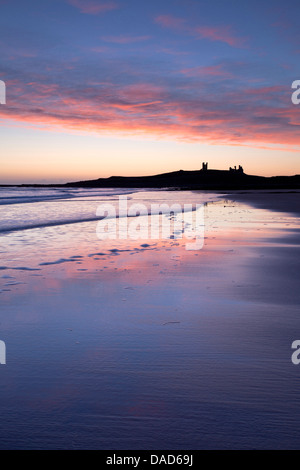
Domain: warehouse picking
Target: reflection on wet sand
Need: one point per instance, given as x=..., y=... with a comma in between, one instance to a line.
x=132, y=344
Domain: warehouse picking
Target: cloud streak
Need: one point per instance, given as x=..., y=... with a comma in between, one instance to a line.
x=91, y=7
x=125, y=39
x=206, y=71
x=212, y=33
x=222, y=34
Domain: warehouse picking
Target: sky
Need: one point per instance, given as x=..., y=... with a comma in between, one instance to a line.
x=128, y=87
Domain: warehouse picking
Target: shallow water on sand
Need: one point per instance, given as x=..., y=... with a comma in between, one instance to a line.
x=141, y=344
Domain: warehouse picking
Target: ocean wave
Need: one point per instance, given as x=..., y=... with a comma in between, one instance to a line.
x=69, y=207
x=15, y=195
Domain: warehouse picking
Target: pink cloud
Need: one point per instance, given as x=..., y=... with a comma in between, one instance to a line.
x=213, y=33
x=93, y=7
x=221, y=33
x=213, y=70
x=266, y=91
x=125, y=39
x=142, y=92
x=169, y=21
x=131, y=107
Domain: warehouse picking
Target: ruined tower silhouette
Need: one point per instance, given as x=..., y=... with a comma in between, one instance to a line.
x=240, y=169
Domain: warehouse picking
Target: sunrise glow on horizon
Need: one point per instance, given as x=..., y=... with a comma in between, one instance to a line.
x=101, y=88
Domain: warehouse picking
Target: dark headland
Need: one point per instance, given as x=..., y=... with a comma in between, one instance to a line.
x=204, y=179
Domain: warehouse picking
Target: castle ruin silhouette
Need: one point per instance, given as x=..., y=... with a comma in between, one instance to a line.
x=240, y=169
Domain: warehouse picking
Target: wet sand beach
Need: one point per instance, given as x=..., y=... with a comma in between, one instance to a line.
x=141, y=344
x=280, y=200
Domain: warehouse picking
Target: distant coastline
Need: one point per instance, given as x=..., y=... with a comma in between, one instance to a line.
x=203, y=179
